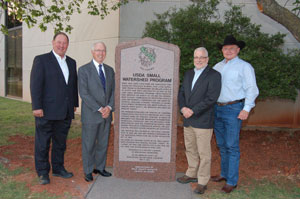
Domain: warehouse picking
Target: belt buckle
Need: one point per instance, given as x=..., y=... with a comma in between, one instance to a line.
x=221, y=104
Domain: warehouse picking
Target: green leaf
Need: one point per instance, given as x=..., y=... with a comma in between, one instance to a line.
x=277, y=74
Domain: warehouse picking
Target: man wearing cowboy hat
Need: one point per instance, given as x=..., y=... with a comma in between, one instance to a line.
x=237, y=98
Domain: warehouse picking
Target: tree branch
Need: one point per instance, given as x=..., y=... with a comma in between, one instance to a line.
x=281, y=15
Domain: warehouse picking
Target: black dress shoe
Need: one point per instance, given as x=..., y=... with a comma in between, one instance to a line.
x=62, y=174
x=88, y=177
x=103, y=172
x=44, y=179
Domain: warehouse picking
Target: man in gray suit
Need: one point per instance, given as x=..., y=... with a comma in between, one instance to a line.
x=96, y=82
x=199, y=92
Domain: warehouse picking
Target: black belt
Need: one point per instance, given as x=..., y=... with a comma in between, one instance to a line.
x=232, y=102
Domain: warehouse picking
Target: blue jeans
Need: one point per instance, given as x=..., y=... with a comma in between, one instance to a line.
x=227, y=130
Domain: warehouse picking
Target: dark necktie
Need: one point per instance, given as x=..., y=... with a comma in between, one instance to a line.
x=102, y=77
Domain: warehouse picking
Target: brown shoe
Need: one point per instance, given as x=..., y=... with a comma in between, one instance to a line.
x=186, y=179
x=200, y=189
x=217, y=178
x=228, y=188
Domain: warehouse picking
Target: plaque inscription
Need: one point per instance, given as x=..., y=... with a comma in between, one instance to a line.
x=146, y=104
x=145, y=119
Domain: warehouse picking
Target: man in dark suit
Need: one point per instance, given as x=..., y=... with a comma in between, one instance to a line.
x=96, y=82
x=54, y=95
x=199, y=92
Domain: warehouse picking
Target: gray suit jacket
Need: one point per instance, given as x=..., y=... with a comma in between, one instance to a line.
x=92, y=93
x=201, y=99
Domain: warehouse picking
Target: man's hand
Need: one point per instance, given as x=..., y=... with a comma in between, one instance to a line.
x=75, y=109
x=243, y=115
x=105, y=112
x=187, y=112
x=38, y=113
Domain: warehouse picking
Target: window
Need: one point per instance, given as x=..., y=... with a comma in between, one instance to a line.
x=13, y=66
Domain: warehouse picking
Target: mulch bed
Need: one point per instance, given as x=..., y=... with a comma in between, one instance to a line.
x=263, y=155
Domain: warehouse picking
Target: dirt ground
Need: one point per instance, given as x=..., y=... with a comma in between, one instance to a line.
x=263, y=155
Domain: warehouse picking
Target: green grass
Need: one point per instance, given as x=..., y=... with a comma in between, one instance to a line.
x=11, y=189
x=17, y=119
x=75, y=130
x=277, y=188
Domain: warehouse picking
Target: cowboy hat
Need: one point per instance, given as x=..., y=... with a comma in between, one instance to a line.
x=230, y=40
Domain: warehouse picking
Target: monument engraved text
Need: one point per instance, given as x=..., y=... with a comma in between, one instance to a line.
x=146, y=101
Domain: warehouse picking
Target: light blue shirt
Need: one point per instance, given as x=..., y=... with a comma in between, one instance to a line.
x=63, y=66
x=238, y=82
x=198, y=72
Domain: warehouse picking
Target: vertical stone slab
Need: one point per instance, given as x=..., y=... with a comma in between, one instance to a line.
x=145, y=123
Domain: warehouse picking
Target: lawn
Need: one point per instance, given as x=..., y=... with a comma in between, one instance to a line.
x=16, y=121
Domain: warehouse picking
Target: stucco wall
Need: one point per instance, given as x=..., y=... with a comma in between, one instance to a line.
x=128, y=24
x=279, y=113
x=134, y=15
x=87, y=30
x=276, y=113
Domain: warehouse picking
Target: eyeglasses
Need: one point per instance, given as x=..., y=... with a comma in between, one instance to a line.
x=201, y=58
x=99, y=50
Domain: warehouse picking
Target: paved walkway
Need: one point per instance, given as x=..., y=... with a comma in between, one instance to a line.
x=116, y=188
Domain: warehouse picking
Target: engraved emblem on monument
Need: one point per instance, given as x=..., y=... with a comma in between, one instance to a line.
x=147, y=57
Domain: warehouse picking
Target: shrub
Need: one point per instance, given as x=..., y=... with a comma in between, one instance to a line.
x=277, y=74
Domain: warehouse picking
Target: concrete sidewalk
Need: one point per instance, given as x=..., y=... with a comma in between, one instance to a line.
x=116, y=188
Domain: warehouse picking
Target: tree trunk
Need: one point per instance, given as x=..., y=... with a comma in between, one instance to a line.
x=282, y=15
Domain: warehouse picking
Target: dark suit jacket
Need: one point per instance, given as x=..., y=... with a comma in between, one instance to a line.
x=92, y=93
x=201, y=99
x=49, y=90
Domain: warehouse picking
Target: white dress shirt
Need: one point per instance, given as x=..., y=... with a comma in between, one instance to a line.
x=63, y=65
x=97, y=67
x=198, y=72
x=96, y=64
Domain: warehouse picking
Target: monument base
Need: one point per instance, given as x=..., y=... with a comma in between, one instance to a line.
x=158, y=172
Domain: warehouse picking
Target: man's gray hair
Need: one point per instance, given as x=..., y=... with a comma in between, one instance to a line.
x=201, y=49
x=98, y=42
